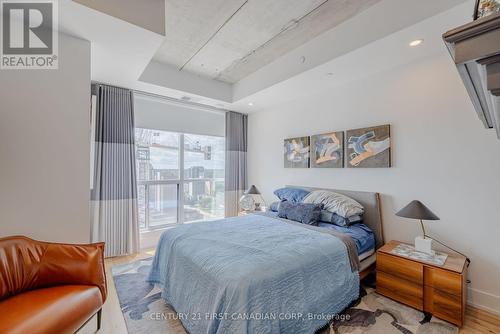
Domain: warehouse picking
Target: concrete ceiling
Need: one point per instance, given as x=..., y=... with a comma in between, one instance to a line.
x=227, y=40
x=125, y=51
x=386, y=54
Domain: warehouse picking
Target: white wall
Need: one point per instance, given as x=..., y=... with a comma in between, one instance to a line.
x=149, y=14
x=44, y=148
x=442, y=156
x=161, y=114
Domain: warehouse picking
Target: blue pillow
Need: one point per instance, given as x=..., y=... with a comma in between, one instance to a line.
x=291, y=194
x=305, y=213
x=333, y=218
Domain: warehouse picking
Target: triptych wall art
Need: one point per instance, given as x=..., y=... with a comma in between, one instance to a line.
x=358, y=148
x=297, y=152
x=327, y=150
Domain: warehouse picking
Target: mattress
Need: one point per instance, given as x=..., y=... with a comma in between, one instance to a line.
x=366, y=254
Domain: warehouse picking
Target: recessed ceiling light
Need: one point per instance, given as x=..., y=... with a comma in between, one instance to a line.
x=250, y=104
x=416, y=42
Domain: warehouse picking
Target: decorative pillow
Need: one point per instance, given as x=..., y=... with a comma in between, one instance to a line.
x=330, y=217
x=337, y=203
x=306, y=213
x=291, y=194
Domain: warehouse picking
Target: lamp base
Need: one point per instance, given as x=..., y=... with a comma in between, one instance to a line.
x=423, y=245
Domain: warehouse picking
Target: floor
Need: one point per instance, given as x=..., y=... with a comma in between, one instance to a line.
x=112, y=318
x=476, y=321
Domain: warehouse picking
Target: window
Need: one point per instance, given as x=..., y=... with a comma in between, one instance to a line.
x=180, y=177
x=204, y=177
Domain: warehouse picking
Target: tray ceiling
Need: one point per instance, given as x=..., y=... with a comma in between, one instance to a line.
x=228, y=40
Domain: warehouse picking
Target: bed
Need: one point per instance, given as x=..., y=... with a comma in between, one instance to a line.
x=260, y=274
x=372, y=219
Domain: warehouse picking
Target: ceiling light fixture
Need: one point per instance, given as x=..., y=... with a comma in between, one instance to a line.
x=416, y=42
x=250, y=104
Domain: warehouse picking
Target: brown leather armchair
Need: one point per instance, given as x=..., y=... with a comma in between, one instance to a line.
x=49, y=287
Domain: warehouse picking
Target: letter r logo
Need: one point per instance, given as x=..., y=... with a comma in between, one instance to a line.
x=27, y=28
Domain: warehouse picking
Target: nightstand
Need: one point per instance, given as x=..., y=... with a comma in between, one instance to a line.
x=438, y=290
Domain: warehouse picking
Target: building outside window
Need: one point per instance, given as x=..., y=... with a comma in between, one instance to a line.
x=180, y=177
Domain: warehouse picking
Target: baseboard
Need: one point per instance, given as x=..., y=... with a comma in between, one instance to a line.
x=483, y=300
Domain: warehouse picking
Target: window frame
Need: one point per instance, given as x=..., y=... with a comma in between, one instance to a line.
x=180, y=182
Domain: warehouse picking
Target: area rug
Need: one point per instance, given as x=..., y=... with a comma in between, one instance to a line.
x=146, y=312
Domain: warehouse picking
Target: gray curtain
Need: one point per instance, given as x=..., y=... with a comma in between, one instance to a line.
x=236, y=161
x=114, y=215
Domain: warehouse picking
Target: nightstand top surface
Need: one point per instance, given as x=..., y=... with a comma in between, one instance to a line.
x=454, y=262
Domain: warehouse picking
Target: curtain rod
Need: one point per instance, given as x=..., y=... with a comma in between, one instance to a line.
x=207, y=107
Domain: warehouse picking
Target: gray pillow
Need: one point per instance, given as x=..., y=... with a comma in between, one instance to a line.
x=274, y=206
x=330, y=217
x=305, y=213
x=337, y=203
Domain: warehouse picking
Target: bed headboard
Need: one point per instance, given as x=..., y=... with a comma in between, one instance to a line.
x=370, y=201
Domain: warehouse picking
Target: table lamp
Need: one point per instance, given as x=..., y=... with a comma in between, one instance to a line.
x=417, y=210
x=252, y=200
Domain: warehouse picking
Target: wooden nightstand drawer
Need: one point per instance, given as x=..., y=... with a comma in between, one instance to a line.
x=443, y=280
x=439, y=290
x=443, y=305
x=399, y=289
x=400, y=267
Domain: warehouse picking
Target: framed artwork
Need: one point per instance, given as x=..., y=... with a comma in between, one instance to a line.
x=296, y=152
x=484, y=8
x=369, y=147
x=327, y=150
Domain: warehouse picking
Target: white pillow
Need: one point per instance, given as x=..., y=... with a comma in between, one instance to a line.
x=337, y=203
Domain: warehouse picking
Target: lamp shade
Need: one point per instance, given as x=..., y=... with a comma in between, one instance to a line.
x=417, y=210
x=253, y=191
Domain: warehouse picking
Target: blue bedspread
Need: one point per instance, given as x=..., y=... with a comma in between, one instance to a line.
x=253, y=274
x=361, y=234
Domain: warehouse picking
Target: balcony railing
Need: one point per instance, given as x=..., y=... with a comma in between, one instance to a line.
x=162, y=204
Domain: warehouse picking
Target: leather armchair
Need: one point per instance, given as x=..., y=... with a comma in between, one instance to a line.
x=49, y=287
